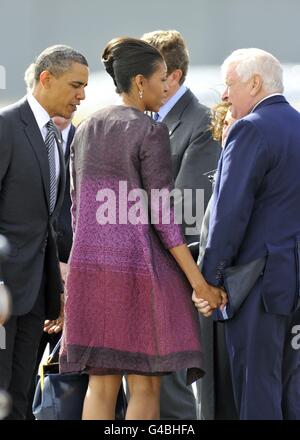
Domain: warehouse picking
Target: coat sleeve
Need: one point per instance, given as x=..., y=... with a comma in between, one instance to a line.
x=156, y=174
x=73, y=183
x=5, y=151
x=242, y=168
x=201, y=156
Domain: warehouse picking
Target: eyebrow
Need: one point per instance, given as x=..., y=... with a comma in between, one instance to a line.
x=79, y=83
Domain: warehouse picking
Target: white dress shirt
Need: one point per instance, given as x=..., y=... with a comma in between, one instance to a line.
x=164, y=110
x=42, y=118
x=65, y=135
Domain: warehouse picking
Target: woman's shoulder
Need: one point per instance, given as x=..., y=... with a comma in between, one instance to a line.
x=123, y=115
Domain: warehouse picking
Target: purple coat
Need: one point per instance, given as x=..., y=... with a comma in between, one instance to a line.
x=128, y=306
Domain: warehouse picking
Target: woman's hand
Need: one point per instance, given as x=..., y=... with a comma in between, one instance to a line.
x=213, y=296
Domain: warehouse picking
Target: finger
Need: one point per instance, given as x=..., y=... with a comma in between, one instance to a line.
x=205, y=309
x=224, y=299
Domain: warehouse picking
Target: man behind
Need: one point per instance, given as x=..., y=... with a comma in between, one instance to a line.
x=194, y=153
x=32, y=181
x=256, y=214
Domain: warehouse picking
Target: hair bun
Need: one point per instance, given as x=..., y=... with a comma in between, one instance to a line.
x=108, y=61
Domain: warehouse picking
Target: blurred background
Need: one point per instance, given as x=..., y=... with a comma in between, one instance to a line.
x=211, y=28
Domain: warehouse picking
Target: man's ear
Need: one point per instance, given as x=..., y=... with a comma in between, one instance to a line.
x=45, y=79
x=256, y=85
x=176, y=76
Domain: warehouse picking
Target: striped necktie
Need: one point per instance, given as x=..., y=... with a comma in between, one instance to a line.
x=50, y=147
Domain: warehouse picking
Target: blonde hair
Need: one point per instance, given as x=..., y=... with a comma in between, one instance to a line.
x=218, y=115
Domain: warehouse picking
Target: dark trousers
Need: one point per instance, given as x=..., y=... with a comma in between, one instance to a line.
x=17, y=361
x=256, y=341
x=52, y=339
x=177, y=400
x=224, y=400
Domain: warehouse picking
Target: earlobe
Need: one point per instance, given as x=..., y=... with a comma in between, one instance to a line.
x=139, y=80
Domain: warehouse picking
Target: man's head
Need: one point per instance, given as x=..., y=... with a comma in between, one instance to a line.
x=60, y=76
x=173, y=48
x=250, y=75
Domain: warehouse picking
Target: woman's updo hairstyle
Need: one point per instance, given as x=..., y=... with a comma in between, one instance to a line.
x=124, y=58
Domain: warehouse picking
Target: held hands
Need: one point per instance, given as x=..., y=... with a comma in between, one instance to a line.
x=215, y=297
x=56, y=325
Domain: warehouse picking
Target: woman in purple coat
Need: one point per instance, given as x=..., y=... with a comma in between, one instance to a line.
x=128, y=294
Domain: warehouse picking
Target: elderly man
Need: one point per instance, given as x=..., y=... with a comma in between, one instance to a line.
x=32, y=181
x=256, y=216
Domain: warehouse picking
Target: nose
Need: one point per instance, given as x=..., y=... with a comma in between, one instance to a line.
x=225, y=94
x=81, y=94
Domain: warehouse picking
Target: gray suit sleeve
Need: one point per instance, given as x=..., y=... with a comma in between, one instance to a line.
x=200, y=157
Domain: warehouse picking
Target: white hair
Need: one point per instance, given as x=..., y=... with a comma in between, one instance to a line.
x=29, y=77
x=252, y=61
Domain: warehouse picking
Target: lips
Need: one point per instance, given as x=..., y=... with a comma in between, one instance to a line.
x=74, y=106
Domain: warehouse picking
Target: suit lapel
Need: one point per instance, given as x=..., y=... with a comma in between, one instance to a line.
x=36, y=141
x=69, y=141
x=62, y=174
x=173, y=118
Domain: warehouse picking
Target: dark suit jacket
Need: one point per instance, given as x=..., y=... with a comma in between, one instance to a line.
x=64, y=226
x=255, y=208
x=194, y=152
x=24, y=212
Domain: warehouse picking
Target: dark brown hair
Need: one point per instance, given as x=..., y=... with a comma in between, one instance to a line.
x=173, y=48
x=125, y=57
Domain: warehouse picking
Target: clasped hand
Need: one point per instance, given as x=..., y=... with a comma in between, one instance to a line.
x=216, y=297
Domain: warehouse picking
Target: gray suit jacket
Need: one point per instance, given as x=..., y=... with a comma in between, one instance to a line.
x=194, y=152
x=24, y=213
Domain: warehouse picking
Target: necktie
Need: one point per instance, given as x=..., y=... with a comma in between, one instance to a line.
x=50, y=147
x=156, y=116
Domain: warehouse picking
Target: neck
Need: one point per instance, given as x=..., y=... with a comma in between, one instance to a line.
x=172, y=90
x=259, y=98
x=39, y=96
x=133, y=101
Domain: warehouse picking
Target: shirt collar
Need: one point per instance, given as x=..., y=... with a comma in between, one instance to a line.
x=164, y=110
x=40, y=114
x=267, y=97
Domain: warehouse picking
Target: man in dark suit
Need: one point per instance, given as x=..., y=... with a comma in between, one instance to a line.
x=64, y=239
x=255, y=215
x=194, y=153
x=32, y=182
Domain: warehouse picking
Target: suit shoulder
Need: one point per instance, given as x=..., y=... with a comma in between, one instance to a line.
x=195, y=111
x=10, y=110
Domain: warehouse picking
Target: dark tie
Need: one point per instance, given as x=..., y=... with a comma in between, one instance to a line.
x=50, y=146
